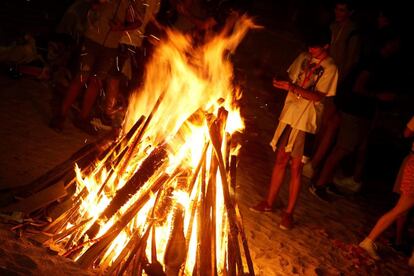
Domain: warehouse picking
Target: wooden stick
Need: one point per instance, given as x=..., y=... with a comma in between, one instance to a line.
x=135, y=237
x=231, y=264
x=244, y=242
x=38, y=200
x=84, y=192
x=214, y=135
x=139, y=135
x=174, y=254
x=197, y=169
x=69, y=231
x=233, y=172
x=116, y=148
x=88, y=258
x=194, y=207
x=150, y=165
x=138, y=250
x=86, y=152
x=212, y=191
x=197, y=266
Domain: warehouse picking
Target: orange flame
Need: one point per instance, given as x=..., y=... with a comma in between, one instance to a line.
x=189, y=78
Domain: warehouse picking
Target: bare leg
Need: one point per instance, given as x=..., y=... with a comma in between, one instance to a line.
x=404, y=204
x=111, y=95
x=330, y=166
x=71, y=94
x=278, y=175
x=92, y=91
x=295, y=183
x=399, y=235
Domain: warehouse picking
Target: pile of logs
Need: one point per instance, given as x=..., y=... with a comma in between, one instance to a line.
x=49, y=204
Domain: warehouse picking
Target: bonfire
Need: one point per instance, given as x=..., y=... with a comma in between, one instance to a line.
x=160, y=199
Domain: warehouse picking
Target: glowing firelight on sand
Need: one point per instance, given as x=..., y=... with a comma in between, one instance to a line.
x=181, y=216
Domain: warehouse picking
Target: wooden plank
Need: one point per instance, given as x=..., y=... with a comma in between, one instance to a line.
x=38, y=200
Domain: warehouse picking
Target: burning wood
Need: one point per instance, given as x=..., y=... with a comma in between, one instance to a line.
x=161, y=198
x=146, y=170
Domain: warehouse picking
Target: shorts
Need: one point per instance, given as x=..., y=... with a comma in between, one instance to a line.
x=302, y=146
x=353, y=131
x=96, y=60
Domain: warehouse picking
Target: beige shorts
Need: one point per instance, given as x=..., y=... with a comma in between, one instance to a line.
x=298, y=144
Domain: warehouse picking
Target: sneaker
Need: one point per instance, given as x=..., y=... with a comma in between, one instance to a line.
x=57, y=123
x=320, y=193
x=287, y=221
x=262, y=207
x=370, y=247
x=308, y=170
x=348, y=183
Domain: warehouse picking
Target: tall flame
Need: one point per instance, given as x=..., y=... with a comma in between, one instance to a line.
x=189, y=83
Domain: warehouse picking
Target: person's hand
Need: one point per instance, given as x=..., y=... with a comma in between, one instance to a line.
x=285, y=85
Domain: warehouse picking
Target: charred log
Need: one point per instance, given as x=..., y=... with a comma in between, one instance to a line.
x=150, y=165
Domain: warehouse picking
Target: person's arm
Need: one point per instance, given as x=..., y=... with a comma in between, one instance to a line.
x=299, y=91
x=310, y=95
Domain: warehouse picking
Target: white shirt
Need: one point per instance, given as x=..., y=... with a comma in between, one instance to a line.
x=299, y=112
x=302, y=114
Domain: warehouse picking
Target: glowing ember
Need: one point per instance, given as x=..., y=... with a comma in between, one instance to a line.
x=161, y=199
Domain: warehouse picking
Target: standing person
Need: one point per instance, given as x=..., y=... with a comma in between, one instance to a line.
x=345, y=46
x=106, y=24
x=375, y=82
x=74, y=20
x=126, y=65
x=313, y=76
x=345, y=49
x=405, y=202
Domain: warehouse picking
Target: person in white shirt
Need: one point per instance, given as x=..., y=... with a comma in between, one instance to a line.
x=313, y=76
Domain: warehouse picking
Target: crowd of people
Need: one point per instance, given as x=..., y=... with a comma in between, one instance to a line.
x=339, y=91
x=97, y=53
